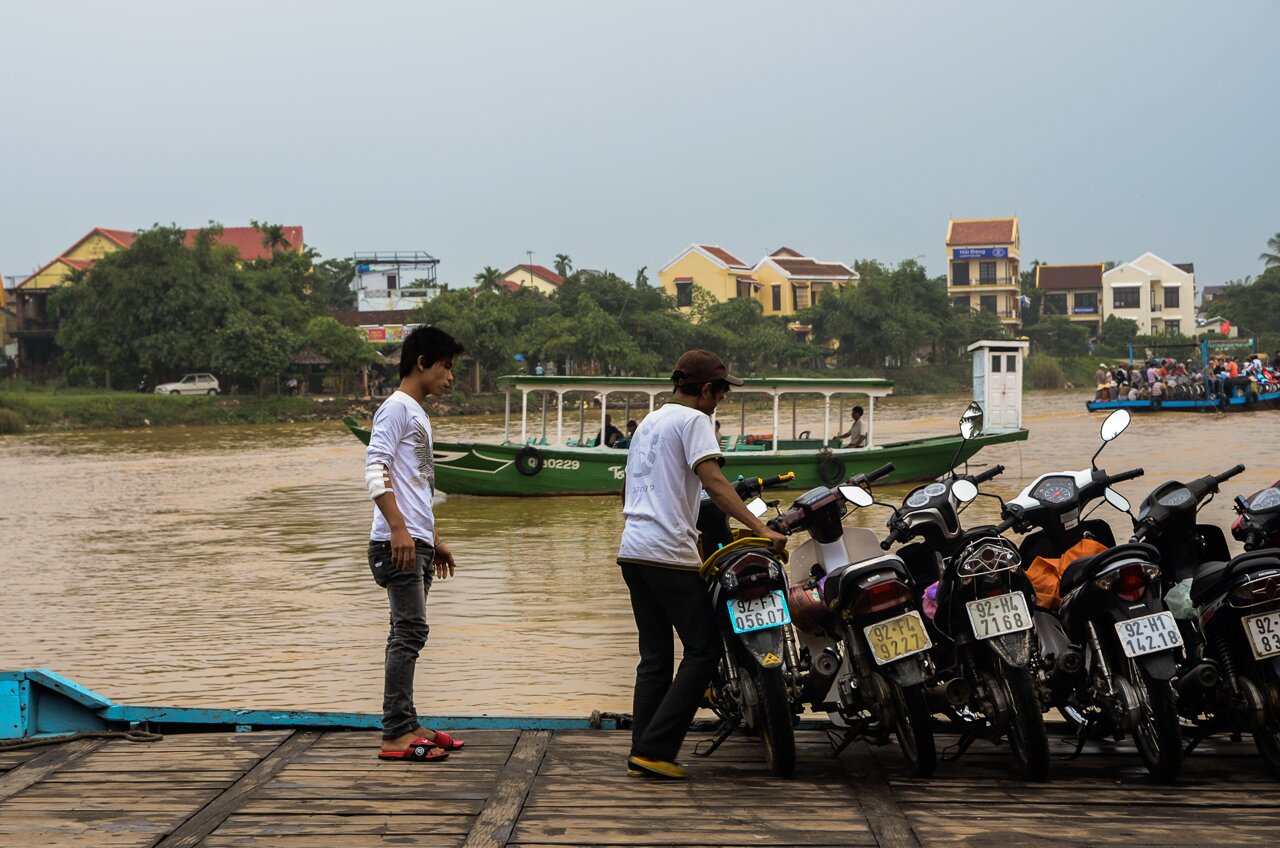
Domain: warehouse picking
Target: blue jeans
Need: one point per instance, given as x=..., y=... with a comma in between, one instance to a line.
x=407, y=597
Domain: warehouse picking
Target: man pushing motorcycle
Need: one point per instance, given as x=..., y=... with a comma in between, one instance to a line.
x=673, y=456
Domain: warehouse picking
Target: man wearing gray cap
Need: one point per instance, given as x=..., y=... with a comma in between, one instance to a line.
x=667, y=467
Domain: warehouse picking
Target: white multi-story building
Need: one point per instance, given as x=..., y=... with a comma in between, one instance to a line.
x=394, y=281
x=1159, y=295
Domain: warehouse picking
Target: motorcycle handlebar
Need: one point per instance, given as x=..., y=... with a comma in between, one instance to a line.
x=880, y=472
x=895, y=535
x=777, y=480
x=994, y=471
x=1227, y=475
x=1006, y=524
x=1125, y=475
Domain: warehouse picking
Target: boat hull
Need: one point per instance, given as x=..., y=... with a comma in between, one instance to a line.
x=1240, y=402
x=469, y=468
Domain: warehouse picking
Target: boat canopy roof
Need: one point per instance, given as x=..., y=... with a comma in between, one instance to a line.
x=772, y=386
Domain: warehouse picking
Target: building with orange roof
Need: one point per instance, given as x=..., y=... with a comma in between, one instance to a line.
x=36, y=327
x=983, y=257
x=1074, y=291
x=783, y=282
x=531, y=276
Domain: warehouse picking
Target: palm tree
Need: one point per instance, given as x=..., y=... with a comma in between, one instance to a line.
x=487, y=280
x=642, y=279
x=273, y=238
x=1272, y=260
x=564, y=265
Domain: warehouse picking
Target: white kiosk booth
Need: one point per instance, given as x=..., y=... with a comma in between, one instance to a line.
x=997, y=382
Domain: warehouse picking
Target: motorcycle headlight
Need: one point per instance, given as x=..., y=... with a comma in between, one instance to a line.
x=987, y=556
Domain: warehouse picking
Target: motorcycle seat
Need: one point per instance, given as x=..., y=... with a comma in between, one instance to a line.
x=1211, y=577
x=839, y=585
x=1086, y=568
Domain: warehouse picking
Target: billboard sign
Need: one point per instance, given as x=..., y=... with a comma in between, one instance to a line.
x=980, y=252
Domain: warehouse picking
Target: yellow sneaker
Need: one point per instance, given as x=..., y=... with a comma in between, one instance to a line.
x=656, y=768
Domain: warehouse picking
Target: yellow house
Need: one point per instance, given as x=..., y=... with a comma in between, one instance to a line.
x=710, y=267
x=783, y=282
x=1074, y=291
x=993, y=248
x=36, y=327
x=532, y=276
x=790, y=281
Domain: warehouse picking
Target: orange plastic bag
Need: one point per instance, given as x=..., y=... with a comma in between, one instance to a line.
x=1045, y=573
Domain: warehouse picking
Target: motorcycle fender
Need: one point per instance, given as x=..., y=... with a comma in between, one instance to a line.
x=1161, y=666
x=907, y=672
x=1013, y=648
x=1053, y=638
x=764, y=646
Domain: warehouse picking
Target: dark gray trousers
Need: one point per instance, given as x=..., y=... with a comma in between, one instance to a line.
x=407, y=597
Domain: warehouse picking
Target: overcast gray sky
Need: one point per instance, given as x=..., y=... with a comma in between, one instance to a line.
x=618, y=133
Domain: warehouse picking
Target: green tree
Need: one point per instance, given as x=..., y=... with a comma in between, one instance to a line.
x=487, y=280
x=563, y=264
x=1032, y=311
x=331, y=285
x=642, y=279
x=1059, y=336
x=345, y=347
x=273, y=237
x=1255, y=306
x=155, y=307
x=255, y=348
x=1272, y=259
x=1118, y=332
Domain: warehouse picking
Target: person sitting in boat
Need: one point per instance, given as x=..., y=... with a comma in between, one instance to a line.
x=610, y=434
x=856, y=435
x=625, y=441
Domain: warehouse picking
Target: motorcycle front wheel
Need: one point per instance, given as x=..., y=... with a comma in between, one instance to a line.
x=913, y=725
x=1027, y=736
x=777, y=731
x=1158, y=736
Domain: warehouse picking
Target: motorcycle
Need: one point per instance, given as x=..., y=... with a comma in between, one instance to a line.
x=757, y=682
x=1125, y=646
x=1239, y=603
x=1257, y=524
x=986, y=644
x=857, y=608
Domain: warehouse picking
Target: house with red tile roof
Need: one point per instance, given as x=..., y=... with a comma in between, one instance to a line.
x=1074, y=291
x=36, y=327
x=531, y=276
x=783, y=282
x=983, y=256
x=791, y=282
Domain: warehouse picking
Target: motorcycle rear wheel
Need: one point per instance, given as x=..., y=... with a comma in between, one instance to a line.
x=1027, y=736
x=913, y=725
x=1268, y=741
x=777, y=731
x=1158, y=735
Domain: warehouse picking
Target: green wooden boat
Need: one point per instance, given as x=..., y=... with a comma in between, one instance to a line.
x=537, y=465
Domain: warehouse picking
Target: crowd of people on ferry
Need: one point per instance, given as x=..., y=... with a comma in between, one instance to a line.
x=1155, y=379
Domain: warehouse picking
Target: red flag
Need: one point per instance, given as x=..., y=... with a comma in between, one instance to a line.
x=1226, y=328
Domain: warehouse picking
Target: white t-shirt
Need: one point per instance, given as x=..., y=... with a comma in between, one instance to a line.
x=857, y=432
x=662, y=488
x=401, y=439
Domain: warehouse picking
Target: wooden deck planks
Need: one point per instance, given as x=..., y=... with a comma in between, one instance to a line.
x=569, y=788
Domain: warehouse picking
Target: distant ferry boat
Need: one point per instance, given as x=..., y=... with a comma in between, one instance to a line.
x=535, y=465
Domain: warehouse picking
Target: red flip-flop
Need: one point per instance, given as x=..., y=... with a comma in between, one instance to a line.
x=417, y=751
x=446, y=742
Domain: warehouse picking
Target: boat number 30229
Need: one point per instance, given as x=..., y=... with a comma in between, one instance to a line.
x=563, y=464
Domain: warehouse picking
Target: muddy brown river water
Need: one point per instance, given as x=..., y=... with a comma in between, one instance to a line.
x=224, y=566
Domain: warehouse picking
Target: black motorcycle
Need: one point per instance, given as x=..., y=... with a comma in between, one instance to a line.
x=758, y=680
x=1239, y=604
x=860, y=604
x=1125, y=646
x=984, y=619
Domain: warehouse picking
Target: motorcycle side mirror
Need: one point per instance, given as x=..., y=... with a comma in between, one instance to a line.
x=857, y=495
x=964, y=491
x=1113, y=497
x=757, y=507
x=971, y=421
x=1116, y=423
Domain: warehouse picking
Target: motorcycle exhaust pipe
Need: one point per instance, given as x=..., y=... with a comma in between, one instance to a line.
x=955, y=692
x=826, y=666
x=1068, y=663
x=1202, y=676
